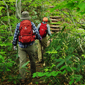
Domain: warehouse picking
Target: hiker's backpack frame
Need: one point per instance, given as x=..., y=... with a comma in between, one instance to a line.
x=26, y=34
x=43, y=29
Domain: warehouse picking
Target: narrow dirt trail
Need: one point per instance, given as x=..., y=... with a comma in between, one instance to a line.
x=54, y=27
x=36, y=81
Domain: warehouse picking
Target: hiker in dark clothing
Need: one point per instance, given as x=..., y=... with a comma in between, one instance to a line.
x=25, y=34
x=43, y=29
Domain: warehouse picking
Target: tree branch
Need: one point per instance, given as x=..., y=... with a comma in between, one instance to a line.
x=18, y=14
x=3, y=23
x=8, y=17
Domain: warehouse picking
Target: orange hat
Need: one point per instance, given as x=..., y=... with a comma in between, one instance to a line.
x=45, y=19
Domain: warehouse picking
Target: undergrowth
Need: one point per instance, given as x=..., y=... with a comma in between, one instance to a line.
x=65, y=60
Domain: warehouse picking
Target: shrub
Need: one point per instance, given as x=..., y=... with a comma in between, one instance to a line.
x=64, y=62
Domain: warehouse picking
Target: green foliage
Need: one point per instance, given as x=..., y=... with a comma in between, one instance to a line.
x=1, y=9
x=66, y=53
x=11, y=0
x=66, y=61
x=78, y=5
x=5, y=65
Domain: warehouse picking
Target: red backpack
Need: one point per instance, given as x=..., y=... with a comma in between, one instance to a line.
x=26, y=34
x=43, y=30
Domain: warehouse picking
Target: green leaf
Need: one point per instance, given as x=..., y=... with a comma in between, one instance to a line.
x=3, y=45
x=36, y=82
x=14, y=82
x=12, y=0
x=34, y=75
x=68, y=69
x=68, y=58
x=0, y=10
x=63, y=29
x=81, y=6
x=55, y=73
x=1, y=3
x=58, y=60
x=73, y=68
x=40, y=74
x=46, y=69
x=8, y=69
x=78, y=78
x=60, y=63
x=83, y=55
x=1, y=56
x=63, y=67
x=25, y=64
x=12, y=8
x=54, y=8
x=48, y=75
x=71, y=82
x=2, y=52
x=53, y=65
x=1, y=59
x=63, y=72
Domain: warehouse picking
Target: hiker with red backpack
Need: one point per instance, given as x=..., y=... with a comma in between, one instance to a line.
x=25, y=34
x=43, y=29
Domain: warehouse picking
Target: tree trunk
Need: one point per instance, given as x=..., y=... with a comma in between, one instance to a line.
x=8, y=17
x=18, y=9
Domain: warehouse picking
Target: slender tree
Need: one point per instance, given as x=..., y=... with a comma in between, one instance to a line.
x=18, y=9
x=8, y=17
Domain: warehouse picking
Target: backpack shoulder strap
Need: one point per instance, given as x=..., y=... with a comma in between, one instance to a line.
x=44, y=24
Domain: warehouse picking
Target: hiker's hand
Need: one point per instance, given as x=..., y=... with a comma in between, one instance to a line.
x=41, y=38
x=15, y=48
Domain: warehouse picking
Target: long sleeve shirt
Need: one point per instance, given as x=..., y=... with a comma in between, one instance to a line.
x=16, y=34
x=48, y=28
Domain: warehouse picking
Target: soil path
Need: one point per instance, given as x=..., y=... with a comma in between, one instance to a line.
x=37, y=81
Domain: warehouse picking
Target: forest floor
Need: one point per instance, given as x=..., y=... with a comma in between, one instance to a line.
x=40, y=81
x=34, y=81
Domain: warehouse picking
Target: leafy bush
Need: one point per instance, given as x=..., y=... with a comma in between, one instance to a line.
x=64, y=61
x=5, y=66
